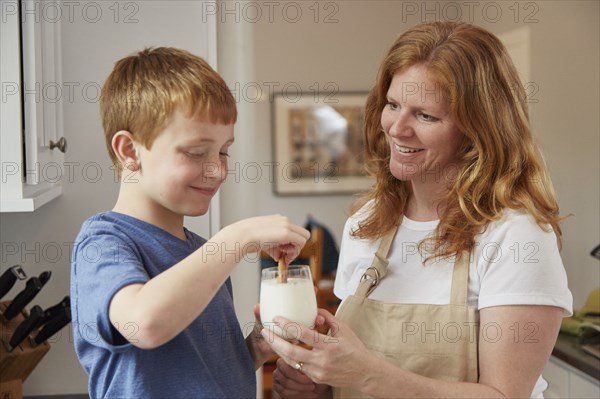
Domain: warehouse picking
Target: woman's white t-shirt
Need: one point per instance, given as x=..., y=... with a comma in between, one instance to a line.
x=514, y=262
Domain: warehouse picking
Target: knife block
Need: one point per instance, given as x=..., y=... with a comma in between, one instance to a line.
x=16, y=366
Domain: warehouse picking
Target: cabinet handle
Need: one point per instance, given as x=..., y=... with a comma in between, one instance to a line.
x=61, y=144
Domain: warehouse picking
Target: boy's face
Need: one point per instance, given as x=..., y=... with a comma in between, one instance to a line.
x=185, y=166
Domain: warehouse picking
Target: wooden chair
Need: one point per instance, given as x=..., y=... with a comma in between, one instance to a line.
x=313, y=251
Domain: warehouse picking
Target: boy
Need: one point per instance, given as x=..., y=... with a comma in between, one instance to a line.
x=153, y=313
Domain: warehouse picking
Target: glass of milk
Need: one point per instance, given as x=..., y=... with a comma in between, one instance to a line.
x=295, y=300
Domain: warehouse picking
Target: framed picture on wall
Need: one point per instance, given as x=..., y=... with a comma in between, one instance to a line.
x=318, y=144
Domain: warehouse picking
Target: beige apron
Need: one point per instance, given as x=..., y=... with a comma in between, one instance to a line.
x=437, y=341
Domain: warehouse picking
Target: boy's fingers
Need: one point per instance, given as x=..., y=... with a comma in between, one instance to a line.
x=319, y=321
x=300, y=380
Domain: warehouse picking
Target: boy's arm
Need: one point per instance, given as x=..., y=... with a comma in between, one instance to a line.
x=165, y=305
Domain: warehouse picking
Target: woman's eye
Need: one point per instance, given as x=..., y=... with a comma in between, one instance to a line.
x=224, y=154
x=392, y=106
x=427, y=118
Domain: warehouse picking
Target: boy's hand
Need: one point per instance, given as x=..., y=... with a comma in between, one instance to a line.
x=274, y=234
x=259, y=348
x=291, y=383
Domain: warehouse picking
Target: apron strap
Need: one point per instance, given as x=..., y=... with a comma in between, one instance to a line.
x=460, y=280
x=378, y=268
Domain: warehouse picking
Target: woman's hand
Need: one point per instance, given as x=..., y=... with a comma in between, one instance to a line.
x=338, y=359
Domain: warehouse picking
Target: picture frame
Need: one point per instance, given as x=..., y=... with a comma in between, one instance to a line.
x=318, y=143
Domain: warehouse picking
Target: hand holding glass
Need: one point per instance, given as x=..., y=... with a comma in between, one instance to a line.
x=295, y=300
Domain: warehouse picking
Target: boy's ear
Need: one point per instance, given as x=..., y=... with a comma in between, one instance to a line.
x=125, y=148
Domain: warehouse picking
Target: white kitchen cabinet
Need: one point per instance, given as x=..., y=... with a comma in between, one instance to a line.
x=31, y=129
x=581, y=386
x=565, y=381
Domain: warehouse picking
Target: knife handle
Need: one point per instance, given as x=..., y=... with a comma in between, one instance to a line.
x=9, y=278
x=32, y=287
x=53, y=326
x=45, y=276
x=55, y=310
x=36, y=316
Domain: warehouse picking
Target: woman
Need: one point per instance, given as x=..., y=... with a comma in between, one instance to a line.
x=450, y=274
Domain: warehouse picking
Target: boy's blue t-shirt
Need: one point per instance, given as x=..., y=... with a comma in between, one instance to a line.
x=209, y=359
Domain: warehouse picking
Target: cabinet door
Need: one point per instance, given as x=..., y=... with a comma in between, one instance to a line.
x=42, y=91
x=565, y=381
x=11, y=128
x=31, y=108
x=584, y=387
x=557, y=378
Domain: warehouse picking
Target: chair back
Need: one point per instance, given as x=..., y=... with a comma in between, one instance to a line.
x=313, y=251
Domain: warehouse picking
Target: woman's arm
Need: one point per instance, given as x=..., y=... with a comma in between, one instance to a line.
x=510, y=362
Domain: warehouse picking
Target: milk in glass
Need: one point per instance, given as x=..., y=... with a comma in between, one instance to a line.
x=295, y=300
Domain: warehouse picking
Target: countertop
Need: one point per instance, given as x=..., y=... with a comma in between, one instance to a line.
x=568, y=349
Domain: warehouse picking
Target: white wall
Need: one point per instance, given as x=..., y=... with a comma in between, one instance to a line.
x=566, y=51
x=565, y=68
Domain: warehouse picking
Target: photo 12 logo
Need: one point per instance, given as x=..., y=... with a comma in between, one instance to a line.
x=290, y=92
x=55, y=172
x=326, y=12
x=52, y=92
x=471, y=11
x=53, y=11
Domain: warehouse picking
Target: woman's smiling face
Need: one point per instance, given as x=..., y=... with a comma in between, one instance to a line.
x=424, y=140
